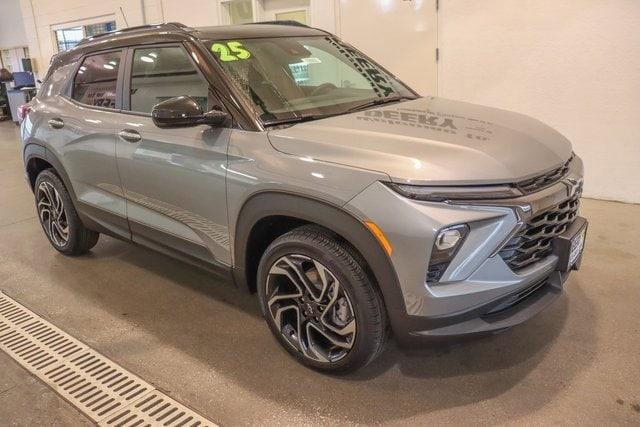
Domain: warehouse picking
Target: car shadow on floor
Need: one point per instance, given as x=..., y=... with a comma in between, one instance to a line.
x=222, y=327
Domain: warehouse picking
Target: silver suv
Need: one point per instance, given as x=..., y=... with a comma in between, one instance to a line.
x=289, y=162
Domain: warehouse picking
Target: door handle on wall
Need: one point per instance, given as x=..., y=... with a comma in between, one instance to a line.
x=56, y=123
x=130, y=135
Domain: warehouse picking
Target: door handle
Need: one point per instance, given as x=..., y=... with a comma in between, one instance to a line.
x=130, y=135
x=56, y=123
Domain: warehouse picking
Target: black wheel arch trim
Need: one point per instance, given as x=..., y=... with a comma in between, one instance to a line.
x=32, y=151
x=332, y=217
x=36, y=151
x=53, y=160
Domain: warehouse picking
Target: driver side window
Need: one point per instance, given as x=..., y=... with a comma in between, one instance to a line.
x=160, y=73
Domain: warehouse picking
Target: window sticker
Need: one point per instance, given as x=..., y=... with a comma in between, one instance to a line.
x=230, y=51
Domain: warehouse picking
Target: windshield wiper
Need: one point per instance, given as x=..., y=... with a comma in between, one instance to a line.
x=375, y=102
x=295, y=119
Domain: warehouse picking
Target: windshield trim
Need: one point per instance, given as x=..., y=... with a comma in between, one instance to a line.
x=362, y=106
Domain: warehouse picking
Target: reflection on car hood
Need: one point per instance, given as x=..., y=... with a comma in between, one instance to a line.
x=430, y=140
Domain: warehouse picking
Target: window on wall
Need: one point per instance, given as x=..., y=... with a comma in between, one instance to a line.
x=96, y=81
x=161, y=73
x=104, y=27
x=67, y=38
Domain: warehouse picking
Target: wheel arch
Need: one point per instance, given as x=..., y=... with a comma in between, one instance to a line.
x=305, y=210
x=37, y=158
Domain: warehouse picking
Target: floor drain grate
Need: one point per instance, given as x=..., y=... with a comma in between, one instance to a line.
x=101, y=389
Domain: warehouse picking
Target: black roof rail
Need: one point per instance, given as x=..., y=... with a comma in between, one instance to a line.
x=167, y=25
x=289, y=23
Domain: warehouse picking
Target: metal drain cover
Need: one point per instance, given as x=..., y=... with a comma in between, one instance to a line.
x=105, y=392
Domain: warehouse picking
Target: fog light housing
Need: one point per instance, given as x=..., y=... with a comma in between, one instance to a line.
x=448, y=241
x=448, y=238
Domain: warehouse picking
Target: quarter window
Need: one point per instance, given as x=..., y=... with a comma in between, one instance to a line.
x=96, y=81
x=161, y=73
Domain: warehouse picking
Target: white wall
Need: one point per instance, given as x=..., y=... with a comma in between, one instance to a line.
x=12, y=33
x=574, y=64
x=401, y=35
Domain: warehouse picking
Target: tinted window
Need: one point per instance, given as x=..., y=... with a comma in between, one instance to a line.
x=287, y=78
x=161, y=73
x=96, y=80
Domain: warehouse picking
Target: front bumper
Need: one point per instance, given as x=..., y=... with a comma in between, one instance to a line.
x=478, y=280
x=502, y=313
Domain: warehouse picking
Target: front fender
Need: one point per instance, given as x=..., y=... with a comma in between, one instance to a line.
x=332, y=217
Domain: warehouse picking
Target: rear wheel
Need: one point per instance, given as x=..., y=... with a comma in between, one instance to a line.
x=319, y=302
x=59, y=218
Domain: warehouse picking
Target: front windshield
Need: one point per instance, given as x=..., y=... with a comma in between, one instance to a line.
x=293, y=78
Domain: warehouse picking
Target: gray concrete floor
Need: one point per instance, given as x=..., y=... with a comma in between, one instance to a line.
x=204, y=343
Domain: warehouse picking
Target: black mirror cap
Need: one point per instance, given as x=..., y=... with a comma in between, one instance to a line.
x=184, y=111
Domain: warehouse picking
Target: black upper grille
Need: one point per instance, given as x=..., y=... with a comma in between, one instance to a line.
x=534, y=241
x=541, y=181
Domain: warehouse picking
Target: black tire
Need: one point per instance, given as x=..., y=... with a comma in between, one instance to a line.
x=366, y=304
x=79, y=240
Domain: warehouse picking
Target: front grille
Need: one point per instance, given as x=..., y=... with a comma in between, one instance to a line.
x=545, y=180
x=534, y=241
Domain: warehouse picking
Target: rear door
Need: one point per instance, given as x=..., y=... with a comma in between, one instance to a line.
x=81, y=126
x=173, y=179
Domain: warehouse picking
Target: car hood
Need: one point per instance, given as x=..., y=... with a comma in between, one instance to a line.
x=431, y=140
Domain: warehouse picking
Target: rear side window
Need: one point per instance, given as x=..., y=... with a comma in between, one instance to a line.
x=161, y=73
x=96, y=81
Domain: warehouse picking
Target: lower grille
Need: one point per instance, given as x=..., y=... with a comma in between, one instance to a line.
x=534, y=241
x=517, y=298
x=435, y=272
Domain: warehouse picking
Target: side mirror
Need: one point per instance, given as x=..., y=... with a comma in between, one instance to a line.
x=184, y=111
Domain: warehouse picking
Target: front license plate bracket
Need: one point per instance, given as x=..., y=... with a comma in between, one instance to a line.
x=569, y=245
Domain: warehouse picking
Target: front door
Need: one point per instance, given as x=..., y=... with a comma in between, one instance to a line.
x=173, y=179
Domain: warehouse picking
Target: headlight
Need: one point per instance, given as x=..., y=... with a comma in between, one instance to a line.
x=448, y=241
x=443, y=193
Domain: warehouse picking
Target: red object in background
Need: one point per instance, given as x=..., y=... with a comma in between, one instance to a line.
x=23, y=111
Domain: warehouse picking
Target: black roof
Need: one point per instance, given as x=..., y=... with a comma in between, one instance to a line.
x=220, y=32
x=258, y=30
x=174, y=31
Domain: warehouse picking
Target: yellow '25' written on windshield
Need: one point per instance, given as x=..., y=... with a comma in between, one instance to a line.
x=230, y=51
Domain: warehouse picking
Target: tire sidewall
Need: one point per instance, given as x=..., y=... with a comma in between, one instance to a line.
x=362, y=349
x=69, y=211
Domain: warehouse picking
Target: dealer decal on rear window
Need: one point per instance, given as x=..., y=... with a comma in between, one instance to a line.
x=230, y=51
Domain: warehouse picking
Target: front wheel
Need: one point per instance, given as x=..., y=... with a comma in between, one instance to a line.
x=320, y=303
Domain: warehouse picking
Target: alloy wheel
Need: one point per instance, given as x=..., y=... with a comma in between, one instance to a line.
x=52, y=214
x=310, y=308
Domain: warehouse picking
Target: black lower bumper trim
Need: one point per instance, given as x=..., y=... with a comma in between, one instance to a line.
x=497, y=315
